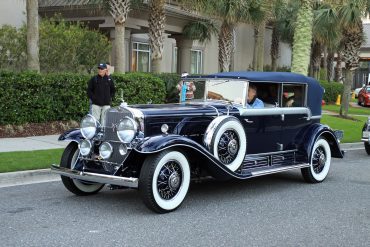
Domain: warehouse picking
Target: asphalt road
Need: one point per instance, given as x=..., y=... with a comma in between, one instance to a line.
x=276, y=210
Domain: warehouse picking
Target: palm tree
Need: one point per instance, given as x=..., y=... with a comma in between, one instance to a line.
x=353, y=37
x=279, y=14
x=157, y=19
x=303, y=38
x=258, y=14
x=326, y=35
x=32, y=8
x=119, y=10
x=230, y=13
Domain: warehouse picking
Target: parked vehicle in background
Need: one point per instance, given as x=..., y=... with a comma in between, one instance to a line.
x=357, y=90
x=158, y=149
x=364, y=96
x=366, y=135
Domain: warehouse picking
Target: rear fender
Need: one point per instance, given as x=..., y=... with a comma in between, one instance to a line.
x=312, y=134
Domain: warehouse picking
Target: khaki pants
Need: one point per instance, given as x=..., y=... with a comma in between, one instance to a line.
x=99, y=113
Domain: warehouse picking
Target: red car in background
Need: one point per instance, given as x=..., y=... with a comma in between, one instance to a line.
x=364, y=96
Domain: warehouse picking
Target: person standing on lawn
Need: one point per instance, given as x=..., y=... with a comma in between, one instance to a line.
x=101, y=91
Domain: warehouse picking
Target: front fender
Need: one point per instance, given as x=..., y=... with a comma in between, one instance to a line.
x=159, y=143
x=311, y=135
x=71, y=135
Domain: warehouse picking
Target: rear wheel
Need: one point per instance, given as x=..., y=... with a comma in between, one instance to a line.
x=367, y=148
x=78, y=187
x=164, y=180
x=319, y=162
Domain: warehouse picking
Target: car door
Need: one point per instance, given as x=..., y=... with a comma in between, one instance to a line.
x=296, y=114
x=263, y=125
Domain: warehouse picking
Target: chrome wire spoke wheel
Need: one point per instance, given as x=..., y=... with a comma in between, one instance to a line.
x=319, y=159
x=164, y=180
x=169, y=180
x=228, y=146
x=319, y=162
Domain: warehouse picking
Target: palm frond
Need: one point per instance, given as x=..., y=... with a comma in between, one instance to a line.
x=200, y=30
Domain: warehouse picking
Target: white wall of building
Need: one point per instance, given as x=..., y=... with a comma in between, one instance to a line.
x=12, y=12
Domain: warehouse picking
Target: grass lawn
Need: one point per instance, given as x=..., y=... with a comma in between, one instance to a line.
x=352, y=129
x=29, y=160
x=352, y=110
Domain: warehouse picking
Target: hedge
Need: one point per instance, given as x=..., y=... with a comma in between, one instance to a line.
x=332, y=89
x=171, y=80
x=34, y=98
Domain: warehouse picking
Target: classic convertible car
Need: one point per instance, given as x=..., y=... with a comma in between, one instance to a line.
x=366, y=135
x=159, y=149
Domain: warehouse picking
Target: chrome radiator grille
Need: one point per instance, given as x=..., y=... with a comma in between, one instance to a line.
x=113, y=117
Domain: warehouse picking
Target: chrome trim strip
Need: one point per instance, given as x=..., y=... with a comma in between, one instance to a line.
x=279, y=169
x=272, y=153
x=275, y=111
x=316, y=117
x=95, y=177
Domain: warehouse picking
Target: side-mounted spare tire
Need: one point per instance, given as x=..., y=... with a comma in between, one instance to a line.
x=226, y=139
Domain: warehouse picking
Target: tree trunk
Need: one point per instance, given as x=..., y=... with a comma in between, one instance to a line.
x=225, y=46
x=261, y=46
x=346, y=92
x=33, y=63
x=274, y=51
x=330, y=65
x=325, y=64
x=302, y=38
x=255, y=48
x=120, y=47
x=338, y=67
x=316, y=59
x=157, y=19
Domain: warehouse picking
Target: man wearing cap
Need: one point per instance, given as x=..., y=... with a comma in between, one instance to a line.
x=101, y=91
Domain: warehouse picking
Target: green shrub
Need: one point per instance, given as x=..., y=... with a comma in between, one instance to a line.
x=171, y=80
x=332, y=89
x=31, y=97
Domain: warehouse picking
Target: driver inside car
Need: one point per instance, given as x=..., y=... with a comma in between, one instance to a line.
x=252, y=100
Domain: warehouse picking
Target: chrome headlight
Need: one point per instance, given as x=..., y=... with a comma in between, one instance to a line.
x=126, y=130
x=105, y=150
x=85, y=147
x=88, y=127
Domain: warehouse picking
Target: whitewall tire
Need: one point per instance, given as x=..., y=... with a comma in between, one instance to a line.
x=76, y=186
x=229, y=143
x=320, y=161
x=164, y=180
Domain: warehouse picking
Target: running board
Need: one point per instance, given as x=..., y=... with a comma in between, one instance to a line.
x=278, y=169
x=95, y=177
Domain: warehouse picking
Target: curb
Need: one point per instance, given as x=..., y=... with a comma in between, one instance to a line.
x=8, y=179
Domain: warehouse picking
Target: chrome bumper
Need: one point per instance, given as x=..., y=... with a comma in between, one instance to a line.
x=95, y=177
x=365, y=140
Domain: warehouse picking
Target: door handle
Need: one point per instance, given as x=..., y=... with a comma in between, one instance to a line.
x=282, y=117
x=248, y=121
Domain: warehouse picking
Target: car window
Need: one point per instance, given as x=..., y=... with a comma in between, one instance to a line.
x=368, y=89
x=293, y=95
x=269, y=94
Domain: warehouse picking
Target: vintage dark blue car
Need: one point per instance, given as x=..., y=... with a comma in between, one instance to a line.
x=366, y=135
x=218, y=129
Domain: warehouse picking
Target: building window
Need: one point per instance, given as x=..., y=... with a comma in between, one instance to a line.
x=196, y=62
x=174, y=60
x=140, y=60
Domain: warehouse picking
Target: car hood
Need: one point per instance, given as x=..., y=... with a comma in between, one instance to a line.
x=184, y=109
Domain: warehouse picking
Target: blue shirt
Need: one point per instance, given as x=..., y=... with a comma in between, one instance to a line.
x=256, y=104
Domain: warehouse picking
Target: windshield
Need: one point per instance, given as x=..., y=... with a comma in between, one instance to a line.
x=232, y=91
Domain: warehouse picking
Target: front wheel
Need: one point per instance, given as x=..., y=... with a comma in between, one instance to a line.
x=78, y=187
x=164, y=180
x=367, y=148
x=319, y=162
